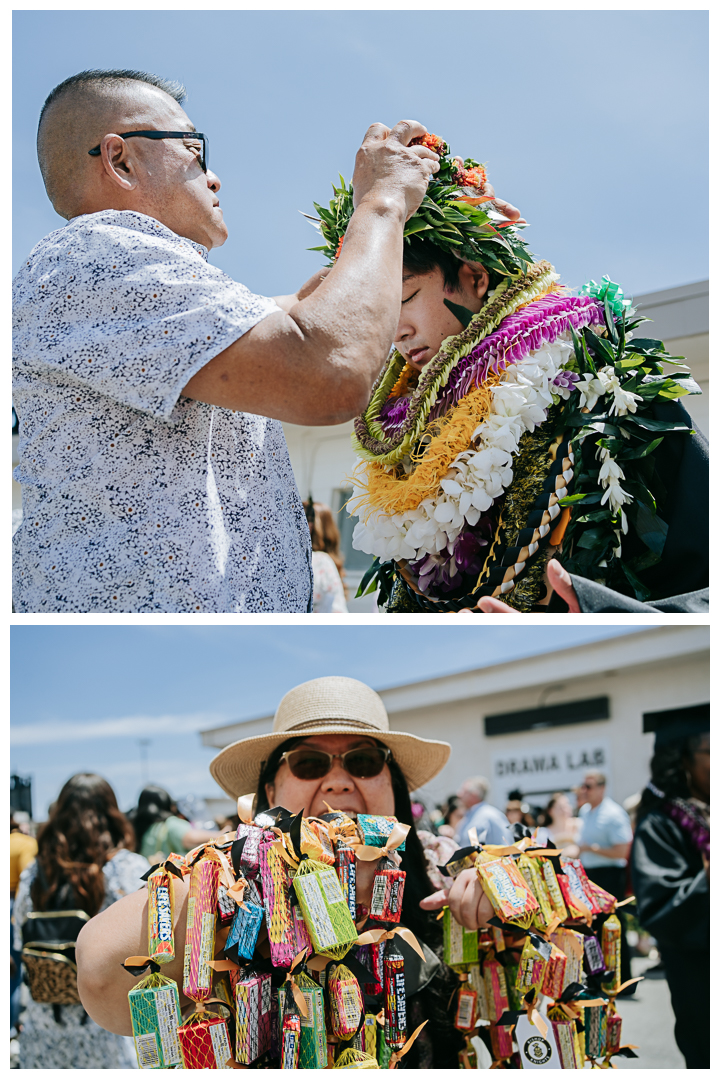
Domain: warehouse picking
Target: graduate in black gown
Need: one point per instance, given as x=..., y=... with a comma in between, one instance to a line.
x=670, y=863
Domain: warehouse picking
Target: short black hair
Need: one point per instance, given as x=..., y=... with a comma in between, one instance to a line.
x=172, y=87
x=421, y=257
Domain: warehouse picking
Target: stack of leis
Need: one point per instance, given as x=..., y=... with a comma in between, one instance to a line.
x=444, y=459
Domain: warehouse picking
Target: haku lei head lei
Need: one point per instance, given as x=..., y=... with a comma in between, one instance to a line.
x=530, y=431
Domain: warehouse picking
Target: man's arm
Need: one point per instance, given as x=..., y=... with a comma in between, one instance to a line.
x=102, y=947
x=316, y=362
x=617, y=851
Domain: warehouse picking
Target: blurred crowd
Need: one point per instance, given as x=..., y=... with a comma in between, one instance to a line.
x=88, y=854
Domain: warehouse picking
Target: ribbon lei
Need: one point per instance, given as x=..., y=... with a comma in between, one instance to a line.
x=397, y=837
x=398, y=1054
x=374, y=937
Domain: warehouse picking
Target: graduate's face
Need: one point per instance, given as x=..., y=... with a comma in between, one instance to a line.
x=425, y=320
x=340, y=790
x=698, y=770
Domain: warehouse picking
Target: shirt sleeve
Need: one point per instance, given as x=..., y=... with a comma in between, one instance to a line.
x=122, y=305
x=176, y=830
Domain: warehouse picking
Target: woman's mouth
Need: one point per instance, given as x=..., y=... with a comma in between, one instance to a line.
x=417, y=356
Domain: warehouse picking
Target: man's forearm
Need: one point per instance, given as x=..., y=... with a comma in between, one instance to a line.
x=617, y=851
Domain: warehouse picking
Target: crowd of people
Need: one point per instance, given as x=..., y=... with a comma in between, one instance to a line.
x=88, y=860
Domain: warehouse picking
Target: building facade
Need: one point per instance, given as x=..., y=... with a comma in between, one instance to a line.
x=539, y=723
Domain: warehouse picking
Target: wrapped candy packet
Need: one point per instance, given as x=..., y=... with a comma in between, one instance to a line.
x=226, y=906
x=604, y=901
x=554, y=977
x=501, y=1041
x=324, y=910
x=365, y=1038
x=460, y=946
x=531, y=969
x=532, y=873
x=253, y=994
x=313, y=1037
x=254, y=835
x=346, y=1002
x=155, y=1016
x=200, y=929
x=371, y=957
x=374, y=830
x=466, y=1009
x=355, y=1059
x=594, y=960
x=346, y=870
x=576, y=891
x=595, y=1025
x=290, y=1035
x=507, y=890
x=395, y=1001
x=246, y=924
x=161, y=904
x=611, y=945
x=496, y=989
x=387, y=893
x=553, y=889
x=315, y=841
x=614, y=1027
x=205, y=1042
x=571, y=943
x=565, y=1041
x=281, y=923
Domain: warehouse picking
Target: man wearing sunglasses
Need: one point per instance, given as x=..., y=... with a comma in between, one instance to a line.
x=149, y=386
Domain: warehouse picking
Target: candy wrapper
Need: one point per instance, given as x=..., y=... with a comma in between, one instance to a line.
x=571, y=943
x=501, y=1041
x=610, y=937
x=553, y=889
x=315, y=841
x=365, y=1038
x=200, y=929
x=346, y=870
x=324, y=910
x=512, y=974
x=371, y=957
x=253, y=996
x=604, y=901
x=375, y=831
x=594, y=960
x=155, y=1016
x=387, y=894
x=355, y=1059
x=161, y=903
x=532, y=873
x=313, y=1038
x=246, y=924
x=531, y=969
x=346, y=1002
x=205, y=1042
x=613, y=1027
x=496, y=988
x=250, y=859
x=508, y=891
x=395, y=1000
x=460, y=946
x=226, y=906
x=576, y=892
x=290, y=1035
x=281, y=922
x=466, y=1009
x=565, y=1041
x=595, y=1024
x=554, y=977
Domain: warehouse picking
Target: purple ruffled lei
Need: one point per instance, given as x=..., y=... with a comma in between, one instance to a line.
x=691, y=822
x=443, y=573
x=393, y=413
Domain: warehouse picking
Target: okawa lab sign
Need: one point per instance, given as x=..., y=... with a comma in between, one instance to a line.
x=547, y=768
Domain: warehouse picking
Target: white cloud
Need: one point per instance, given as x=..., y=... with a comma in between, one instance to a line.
x=62, y=731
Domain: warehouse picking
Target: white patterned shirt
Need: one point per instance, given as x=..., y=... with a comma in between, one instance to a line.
x=135, y=498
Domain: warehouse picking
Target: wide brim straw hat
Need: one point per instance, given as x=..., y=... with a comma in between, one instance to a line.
x=333, y=705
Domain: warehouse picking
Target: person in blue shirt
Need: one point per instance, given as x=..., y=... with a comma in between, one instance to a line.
x=604, y=840
x=491, y=824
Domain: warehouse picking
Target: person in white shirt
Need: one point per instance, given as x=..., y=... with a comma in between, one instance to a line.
x=490, y=823
x=150, y=386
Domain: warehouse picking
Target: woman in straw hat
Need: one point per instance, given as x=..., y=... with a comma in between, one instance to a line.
x=331, y=744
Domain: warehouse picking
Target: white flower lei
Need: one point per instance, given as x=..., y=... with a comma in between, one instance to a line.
x=478, y=475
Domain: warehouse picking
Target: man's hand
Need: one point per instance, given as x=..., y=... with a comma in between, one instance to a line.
x=559, y=581
x=387, y=168
x=466, y=899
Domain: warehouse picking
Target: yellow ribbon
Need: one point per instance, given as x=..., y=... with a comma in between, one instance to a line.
x=370, y=854
x=398, y=1054
x=245, y=808
x=374, y=937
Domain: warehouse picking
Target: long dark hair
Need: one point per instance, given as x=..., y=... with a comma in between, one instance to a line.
x=446, y=1040
x=154, y=804
x=83, y=830
x=668, y=773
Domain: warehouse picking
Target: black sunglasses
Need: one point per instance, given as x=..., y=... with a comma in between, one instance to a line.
x=364, y=762
x=191, y=136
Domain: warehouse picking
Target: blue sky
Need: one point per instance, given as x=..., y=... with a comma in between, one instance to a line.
x=83, y=696
x=594, y=123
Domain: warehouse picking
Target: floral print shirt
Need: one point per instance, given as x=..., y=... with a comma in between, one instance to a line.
x=135, y=498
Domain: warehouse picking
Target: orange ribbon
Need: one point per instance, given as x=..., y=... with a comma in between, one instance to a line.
x=296, y=991
x=245, y=808
x=374, y=937
x=398, y=1054
x=534, y=1016
x=397, y=837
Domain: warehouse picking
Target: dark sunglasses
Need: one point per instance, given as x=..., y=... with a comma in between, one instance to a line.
x=362, y=763
x=190, y=136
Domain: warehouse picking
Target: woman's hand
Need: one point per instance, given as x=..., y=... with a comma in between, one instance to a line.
x=557, y=578
x=466, y=899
